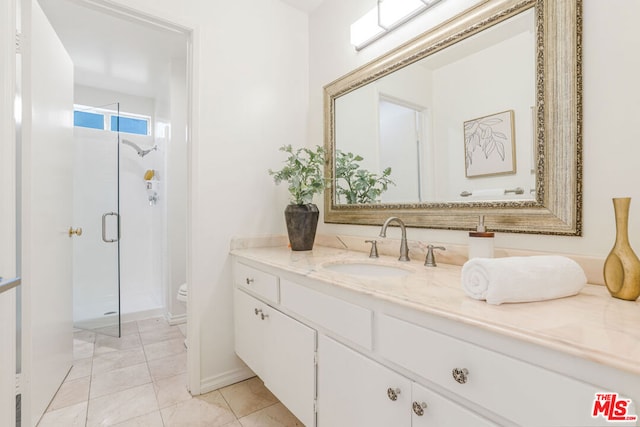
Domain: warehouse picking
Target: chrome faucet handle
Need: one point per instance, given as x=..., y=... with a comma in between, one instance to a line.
x=374, y=248
x=430, y=261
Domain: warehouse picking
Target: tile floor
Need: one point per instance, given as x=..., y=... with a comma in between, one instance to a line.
x=140, y=380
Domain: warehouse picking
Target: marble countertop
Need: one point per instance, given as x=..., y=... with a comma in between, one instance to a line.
x=591, y=325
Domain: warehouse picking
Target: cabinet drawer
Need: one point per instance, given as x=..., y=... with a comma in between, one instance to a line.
x=256, y=281
x=348, y=320
x=519, y=391
x=431, y=409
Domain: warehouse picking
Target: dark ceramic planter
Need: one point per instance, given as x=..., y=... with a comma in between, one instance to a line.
x=302, y=221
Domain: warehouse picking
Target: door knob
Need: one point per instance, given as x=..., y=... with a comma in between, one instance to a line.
x=77, y=231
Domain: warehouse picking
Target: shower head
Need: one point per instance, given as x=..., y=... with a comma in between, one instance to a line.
x=138, y=149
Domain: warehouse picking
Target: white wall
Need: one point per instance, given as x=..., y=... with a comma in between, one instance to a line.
x=610, y=93
x=94, y=97
x=250, y=97
x=507, y=84
x=176, y=185
x=358, y=121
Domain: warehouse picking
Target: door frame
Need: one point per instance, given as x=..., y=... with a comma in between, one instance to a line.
x=8, y=193
x=192, y=90
x=7, y=43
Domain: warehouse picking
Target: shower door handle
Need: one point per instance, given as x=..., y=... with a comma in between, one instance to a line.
x=104, y=227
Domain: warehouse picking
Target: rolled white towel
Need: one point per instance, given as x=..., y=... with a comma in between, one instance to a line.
x=522, y=279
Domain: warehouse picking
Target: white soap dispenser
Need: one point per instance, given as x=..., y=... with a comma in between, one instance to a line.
x=481, y=241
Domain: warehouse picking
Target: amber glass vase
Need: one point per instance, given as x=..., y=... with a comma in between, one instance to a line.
x=622, y=267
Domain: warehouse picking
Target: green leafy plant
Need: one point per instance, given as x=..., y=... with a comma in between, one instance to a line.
x=303, y=170
x=358, y=185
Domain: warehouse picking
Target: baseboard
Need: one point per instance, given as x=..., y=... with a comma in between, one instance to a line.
x=176, y=319
x=227, y=378
x=142, y=315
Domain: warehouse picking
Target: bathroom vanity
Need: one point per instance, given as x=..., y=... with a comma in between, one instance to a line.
x=388, y=343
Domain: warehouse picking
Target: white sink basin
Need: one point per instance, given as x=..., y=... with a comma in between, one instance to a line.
x=359, y=268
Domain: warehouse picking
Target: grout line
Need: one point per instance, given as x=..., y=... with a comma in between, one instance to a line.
x=228, y=404
x=93, y=355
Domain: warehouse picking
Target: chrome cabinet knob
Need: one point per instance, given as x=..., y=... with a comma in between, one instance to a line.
x=460, y=375
x=263, y=316
x=257, y=311
x=393, y=393
x=249, y=280
x=418, y=408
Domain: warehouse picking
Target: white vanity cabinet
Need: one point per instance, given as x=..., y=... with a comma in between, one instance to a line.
x=337, y=356
x=280, y=350
x=519, y=391
x=354, y=390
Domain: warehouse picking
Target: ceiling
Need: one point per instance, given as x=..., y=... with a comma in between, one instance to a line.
x=118, y=53
x=304, y=5
x=114, y=52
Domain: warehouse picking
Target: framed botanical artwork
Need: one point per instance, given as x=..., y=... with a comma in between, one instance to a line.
x=489, y=145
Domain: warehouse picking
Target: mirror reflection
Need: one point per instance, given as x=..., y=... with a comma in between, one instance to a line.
x=457, y=125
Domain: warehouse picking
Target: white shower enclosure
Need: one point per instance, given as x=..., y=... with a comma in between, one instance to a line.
x=116, y=261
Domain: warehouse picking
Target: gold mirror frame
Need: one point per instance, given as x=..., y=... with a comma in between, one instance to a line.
x=557, y=208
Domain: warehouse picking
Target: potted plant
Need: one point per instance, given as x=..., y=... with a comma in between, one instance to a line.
x=356, y=184
x=303, y=171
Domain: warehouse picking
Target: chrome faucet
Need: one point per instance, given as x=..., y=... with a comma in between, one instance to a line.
x=430, y=261
x=404, y=248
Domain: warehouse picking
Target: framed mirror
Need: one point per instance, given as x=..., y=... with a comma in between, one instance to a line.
x=481, y=115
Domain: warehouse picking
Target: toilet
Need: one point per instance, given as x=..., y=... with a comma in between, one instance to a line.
x=182, y=293
x=182, y=297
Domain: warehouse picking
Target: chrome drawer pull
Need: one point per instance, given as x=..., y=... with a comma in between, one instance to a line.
x=393, y=393
x=249, y=280
x=460, y=375
x=257, y=311
x=419, y=408
x=263, y=316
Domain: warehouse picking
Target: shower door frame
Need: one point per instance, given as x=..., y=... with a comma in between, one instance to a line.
x=97, y=326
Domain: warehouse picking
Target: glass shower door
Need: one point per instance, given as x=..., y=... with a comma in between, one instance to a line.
x=96, y=254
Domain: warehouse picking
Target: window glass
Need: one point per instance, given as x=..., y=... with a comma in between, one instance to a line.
x=85, y=119
x=130, y=125
x=109, y=120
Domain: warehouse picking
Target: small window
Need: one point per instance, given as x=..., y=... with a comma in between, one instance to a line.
x=111, y=120
x=130, y=125
x=85, y=119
